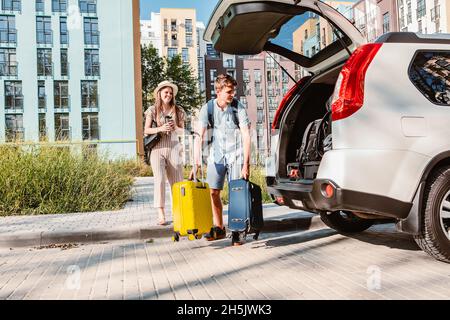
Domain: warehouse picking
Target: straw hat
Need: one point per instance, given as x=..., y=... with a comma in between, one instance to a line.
x=166, y=84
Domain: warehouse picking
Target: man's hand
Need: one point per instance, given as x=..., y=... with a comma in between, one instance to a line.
x=194, y=173
x=245, y=172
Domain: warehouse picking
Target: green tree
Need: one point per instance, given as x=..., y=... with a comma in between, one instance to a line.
x=156, y=69
x=152, y=73
x=181, y=74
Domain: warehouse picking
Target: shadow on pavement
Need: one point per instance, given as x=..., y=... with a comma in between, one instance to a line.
x=387, y=236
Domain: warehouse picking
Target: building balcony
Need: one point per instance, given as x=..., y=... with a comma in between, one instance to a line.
x=62, y=104
x=45, y=70
x=44, y=37
x=9, y=69
x=15, y=135
x=435, y=13
x=14, y=104
x=63, y=134
x=13, y=7
x=8, y=37
x=92, y=39
x=92, y=71
x=90, y=105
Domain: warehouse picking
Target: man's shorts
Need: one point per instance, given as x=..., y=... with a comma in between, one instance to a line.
x=215, y=175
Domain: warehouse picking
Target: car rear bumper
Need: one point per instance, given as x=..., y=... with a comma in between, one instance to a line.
x=310, y=196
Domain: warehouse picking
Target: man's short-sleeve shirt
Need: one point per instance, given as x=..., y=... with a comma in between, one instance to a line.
x=226, y=147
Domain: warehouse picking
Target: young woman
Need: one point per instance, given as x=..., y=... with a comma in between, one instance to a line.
x=166, y=156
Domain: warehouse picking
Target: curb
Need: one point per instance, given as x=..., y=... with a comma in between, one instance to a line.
x=40, y=239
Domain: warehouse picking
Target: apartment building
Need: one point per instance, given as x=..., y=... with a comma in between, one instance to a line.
x=70, y=72
x=179, y=35
x=424, y=16
x=151, y=32
x=265, y=85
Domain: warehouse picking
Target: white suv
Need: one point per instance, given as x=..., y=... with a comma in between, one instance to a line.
x=366, y=135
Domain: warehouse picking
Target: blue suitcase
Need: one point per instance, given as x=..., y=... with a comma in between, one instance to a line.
x=245, y=212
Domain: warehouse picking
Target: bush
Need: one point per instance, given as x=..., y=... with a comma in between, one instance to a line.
x=51, y=180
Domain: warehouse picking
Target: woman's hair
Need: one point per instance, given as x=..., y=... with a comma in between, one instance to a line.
x=159, y=108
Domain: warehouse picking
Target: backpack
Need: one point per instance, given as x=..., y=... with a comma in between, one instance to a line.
x=234, y=108
x=311, y=149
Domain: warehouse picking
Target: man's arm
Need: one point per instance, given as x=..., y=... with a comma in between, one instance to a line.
x=245, y=132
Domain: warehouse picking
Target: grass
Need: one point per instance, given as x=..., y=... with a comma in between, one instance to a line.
x=40, y=180
x=52, y=180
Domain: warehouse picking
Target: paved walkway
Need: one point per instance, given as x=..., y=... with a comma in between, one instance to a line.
x=138, y=220
x=314, y=264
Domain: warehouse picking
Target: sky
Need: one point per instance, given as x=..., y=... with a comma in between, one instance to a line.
x=204, y=7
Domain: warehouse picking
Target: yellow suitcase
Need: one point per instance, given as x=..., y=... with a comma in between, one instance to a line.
x=191, y=209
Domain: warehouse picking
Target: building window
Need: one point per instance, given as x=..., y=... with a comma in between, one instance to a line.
x=62, y=128
x=421, y=8
x=42, y=97
x=171, y=52
x=14, y=130
x=44, y=62
x=91, y=33
x=89, y=94
x=174, y=42
x=61, y=91
x=88, y=6
x=244, y=101
x=386, y=19
x=12, y=5
x=246, y=76
x=189, y=42
x=92, y=63
x=173, y=25
x=8, y=33
x=64, y=33
x=42, y=127
x=8, y=63
x=419, y=26
x=257, y=76
x=90, y=126
x=59, y=5
x=188, y=25
x=64, y=63
x=40, y=5
x=13, y=96
x=185, y=55
x=44, y=32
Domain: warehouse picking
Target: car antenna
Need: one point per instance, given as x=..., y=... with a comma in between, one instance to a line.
x=282, y=68
x=334, y=30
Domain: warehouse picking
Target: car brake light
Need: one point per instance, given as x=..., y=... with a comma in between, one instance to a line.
x=285, y=100
x=349, y=94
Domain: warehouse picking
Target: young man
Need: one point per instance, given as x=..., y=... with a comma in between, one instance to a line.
x=228, y=117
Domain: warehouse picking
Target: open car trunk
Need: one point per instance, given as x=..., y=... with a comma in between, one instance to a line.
x=311, y=105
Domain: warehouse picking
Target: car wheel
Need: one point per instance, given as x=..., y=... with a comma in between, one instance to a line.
x=345, y=222
x=434, y=237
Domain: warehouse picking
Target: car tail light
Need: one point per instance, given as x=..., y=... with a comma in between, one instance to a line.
x=283, y=104
x=349, y=94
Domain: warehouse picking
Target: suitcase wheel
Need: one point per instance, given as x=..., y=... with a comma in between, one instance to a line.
x=176, y=237
x=256, y=236
x=237, y=238
x=198, y=236
x=191, y=237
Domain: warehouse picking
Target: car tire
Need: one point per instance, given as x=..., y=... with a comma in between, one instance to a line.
x=345, y=222
x=432, y=238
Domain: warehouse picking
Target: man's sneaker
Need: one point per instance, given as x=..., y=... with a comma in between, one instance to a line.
x=216, y=233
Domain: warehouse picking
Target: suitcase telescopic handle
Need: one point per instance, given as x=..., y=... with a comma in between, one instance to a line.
x=193, y=134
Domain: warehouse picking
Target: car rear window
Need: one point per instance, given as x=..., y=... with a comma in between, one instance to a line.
x=430, y=73
x=308, y=34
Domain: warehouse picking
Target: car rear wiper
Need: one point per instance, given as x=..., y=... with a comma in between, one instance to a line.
x=335, y=31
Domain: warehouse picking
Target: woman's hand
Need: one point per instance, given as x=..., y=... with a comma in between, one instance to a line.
x=167, y=127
